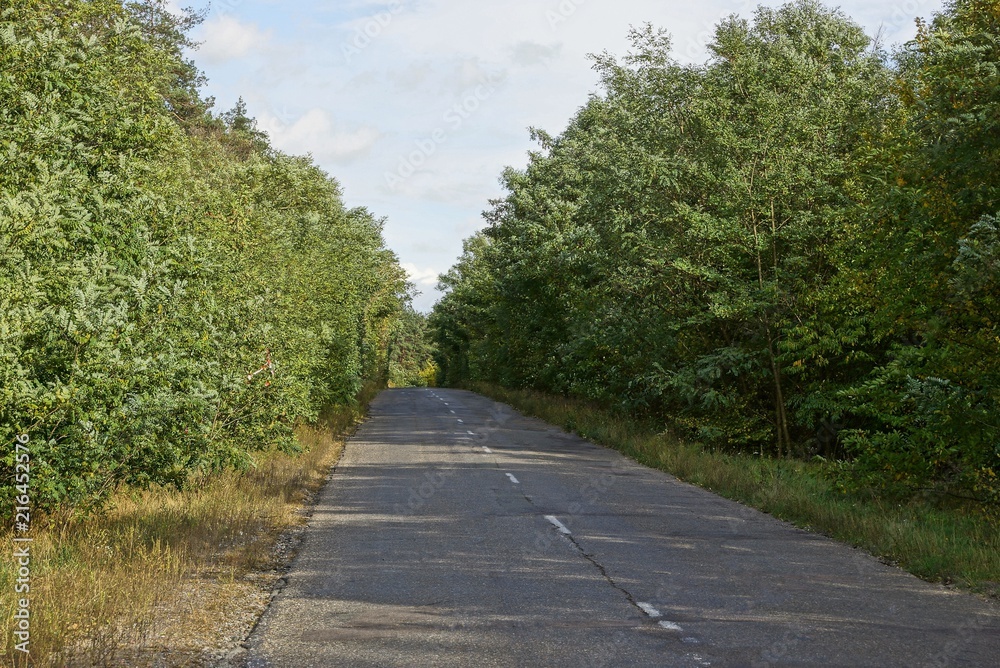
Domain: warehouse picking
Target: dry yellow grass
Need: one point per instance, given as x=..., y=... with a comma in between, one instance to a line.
x=166, y=577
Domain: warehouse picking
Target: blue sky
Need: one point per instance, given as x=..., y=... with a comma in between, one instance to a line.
x=416, y=106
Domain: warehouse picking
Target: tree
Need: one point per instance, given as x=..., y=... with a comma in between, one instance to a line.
x=176, y=295
x=929, y=253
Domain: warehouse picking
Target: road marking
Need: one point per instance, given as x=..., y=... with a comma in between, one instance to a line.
x=649, y=610
x=558, y=525
x=513, y=479
x=670, y=626
x=470, y=433
x=452, y=412
x=487, y=450
x=461, y=421
x=445, y=402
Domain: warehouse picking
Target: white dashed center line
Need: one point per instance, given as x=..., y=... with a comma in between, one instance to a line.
x=558, y=525
x=452, y=412
x=487, y=450
x=470, y=433
x=460, y=420
x=513, y=479
x=649, y=610
x=670, y=626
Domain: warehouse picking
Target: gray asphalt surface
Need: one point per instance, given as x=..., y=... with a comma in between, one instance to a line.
x=457, y=532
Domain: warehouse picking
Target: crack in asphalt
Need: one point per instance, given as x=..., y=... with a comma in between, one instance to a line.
x=604, y=573
x=492, y=583
x=586, y=555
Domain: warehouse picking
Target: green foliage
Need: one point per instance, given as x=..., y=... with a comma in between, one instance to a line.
x=153, y=258
x=771, y=251
x=931, y=258
x=411, y=361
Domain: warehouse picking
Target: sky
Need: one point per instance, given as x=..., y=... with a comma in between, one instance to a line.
x=417, y=106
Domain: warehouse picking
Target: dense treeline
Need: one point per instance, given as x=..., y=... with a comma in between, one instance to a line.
x=174, y=293
x=788, y=250
x=411, y=358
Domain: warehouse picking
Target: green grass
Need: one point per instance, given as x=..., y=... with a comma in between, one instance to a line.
x=950, y=545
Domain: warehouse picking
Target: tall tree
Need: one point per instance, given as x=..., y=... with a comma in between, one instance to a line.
x=174, y=293
x=930, y=253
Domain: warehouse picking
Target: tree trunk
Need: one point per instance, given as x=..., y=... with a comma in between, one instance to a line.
x=780, y=415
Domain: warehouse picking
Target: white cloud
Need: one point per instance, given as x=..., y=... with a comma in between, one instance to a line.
x=367, y=114
x=421, y=277
x=318, y=133
x=528, y=53
x=225, y=38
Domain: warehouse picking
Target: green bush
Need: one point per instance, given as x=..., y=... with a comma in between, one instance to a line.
x=153, y=257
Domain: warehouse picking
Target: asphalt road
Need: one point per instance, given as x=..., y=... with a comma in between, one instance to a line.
x=456, y=532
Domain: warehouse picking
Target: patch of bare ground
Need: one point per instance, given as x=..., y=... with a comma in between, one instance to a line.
x=208, y=621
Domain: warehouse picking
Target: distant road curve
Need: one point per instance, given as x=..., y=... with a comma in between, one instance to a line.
x=457, y=532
